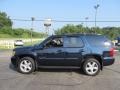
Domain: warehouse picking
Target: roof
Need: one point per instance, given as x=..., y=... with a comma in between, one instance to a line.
x=77, y=35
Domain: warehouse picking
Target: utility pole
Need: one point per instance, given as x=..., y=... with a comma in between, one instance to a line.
x=86, y=18
x=32, y=19
x=82, y=27
x=96, y=9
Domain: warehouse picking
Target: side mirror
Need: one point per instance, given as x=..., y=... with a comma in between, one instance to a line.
x=41, y=47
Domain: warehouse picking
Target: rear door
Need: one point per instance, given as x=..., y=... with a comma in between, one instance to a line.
x=73, y=50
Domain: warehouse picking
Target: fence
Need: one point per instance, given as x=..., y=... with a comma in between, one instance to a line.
x=9, y=44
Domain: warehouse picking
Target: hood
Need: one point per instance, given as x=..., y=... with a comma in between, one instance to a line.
x=23, y=48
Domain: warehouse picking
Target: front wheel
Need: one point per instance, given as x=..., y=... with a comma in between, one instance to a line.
x=91, y=67
x=26, y=65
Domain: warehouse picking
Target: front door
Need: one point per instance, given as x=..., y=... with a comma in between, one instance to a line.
x=52, y=53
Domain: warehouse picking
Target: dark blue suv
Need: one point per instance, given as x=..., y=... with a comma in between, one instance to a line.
x=89, y=52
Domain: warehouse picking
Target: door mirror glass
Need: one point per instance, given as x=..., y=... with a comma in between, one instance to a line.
x=42, y=46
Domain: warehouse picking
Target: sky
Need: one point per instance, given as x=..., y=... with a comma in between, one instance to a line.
x=60, y=10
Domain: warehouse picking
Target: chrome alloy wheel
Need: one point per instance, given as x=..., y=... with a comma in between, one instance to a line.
x=26, y=66
x=91, y=67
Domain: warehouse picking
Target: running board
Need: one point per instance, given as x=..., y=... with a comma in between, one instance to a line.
x=60, y=67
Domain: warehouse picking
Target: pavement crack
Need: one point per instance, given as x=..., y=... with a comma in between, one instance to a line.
x=113, y=70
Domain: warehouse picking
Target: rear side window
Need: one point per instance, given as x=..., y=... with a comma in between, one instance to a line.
x=73, y=42
x=97, y=40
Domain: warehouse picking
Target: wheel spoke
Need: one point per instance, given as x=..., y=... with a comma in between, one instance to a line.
x=93, y=64
x=25, y=61
x=92, y=71
x=89, y=64
x=29, y=67
x=95, y=68
x=88, y=68
x=29, y=63
x=22, y=65
x=25, y=69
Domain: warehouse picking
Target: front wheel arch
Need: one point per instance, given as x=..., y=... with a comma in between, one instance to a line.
x=26, y=65
x=31, y=56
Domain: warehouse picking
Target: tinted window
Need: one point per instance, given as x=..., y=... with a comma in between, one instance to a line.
x=73, y=42
x=97, y=40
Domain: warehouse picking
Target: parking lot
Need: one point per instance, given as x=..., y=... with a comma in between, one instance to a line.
x=57, y=79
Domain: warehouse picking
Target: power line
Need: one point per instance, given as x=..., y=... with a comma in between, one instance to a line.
x=65, y=20
x=84, y=21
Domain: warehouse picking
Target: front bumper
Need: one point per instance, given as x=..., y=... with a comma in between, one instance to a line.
x=108, y=61
x=14, y=60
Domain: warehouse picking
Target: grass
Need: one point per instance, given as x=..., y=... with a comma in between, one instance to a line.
x=5, y=36
x=34, y=42
x=16, y=38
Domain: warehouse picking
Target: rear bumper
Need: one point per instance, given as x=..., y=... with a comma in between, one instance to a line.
x=108, y=61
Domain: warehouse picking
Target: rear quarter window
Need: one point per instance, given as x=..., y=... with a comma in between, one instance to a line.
x=97, y=40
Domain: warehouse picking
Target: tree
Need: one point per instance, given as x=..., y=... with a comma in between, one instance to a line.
x=111, y=32
x=69, y=28
x=5, y=20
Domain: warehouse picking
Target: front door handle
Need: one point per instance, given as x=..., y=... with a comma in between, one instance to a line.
x=59, y=51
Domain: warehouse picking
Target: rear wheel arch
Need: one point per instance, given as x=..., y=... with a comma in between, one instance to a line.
x=95, y=56
x=91, y=66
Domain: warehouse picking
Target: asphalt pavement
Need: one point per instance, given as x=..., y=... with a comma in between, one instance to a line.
x=57, y=79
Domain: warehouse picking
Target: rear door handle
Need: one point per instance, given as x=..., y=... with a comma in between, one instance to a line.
x=59, y=51
x=81, y=50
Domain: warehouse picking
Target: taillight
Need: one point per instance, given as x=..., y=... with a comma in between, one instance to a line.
x=112, y=52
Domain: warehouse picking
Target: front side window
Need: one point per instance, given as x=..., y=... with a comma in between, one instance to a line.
x=73, y=42
x=55, y=42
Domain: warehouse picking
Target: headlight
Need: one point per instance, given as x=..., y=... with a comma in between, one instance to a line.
x=13, y=53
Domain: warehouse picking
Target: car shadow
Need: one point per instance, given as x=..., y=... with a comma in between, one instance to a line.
x=52, y=70
x=79, y=71
x=12, y=67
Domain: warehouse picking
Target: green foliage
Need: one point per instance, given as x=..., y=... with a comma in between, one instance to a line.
x=4, y=20
x=111, y=32
x=69, y=28
x=7, y=32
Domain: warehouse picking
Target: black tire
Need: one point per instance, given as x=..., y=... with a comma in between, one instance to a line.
x=30, y=60
x=85, y=66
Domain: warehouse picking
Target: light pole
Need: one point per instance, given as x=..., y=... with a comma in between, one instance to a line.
x=96, y=8
x=86, y=18
x=32, y=19
x=47, y=24
x=82, y=27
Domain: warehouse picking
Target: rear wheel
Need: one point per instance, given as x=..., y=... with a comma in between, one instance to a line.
x=26, y=65
x=91, y=67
